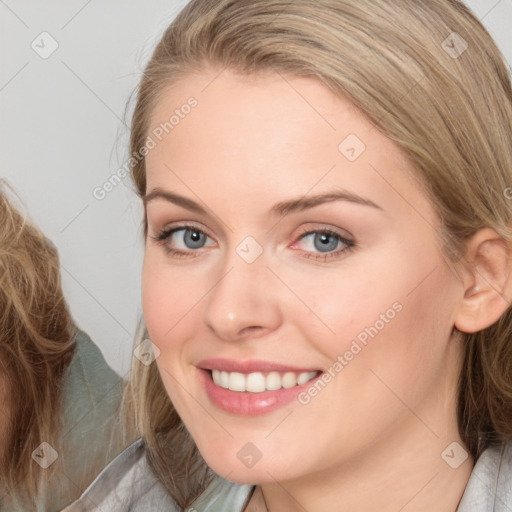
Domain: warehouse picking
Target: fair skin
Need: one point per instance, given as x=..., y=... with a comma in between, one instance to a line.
x=372, y=439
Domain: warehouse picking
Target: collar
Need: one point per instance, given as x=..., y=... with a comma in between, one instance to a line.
x=489, y=488
x=222, y=495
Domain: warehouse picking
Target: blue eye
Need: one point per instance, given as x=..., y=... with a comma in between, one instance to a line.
x=324, y=244
x=193, y=239
x=184, y=241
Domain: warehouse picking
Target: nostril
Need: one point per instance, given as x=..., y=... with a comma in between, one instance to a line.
x=251, y=328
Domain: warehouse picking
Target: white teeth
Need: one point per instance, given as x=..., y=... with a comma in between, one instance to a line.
x=273, y=381
x=256, y=382
x=236, y=381
x=289, y=380
x=304, y=377
x=224, y=379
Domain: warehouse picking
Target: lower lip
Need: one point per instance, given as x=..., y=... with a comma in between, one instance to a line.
x=247, y=403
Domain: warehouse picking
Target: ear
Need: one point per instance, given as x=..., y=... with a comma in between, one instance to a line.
x=487, y=282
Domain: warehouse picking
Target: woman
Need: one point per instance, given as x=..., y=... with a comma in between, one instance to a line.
x=59, y=398
x=327, y=272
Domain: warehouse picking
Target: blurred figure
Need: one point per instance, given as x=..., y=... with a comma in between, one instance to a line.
x=59, y=399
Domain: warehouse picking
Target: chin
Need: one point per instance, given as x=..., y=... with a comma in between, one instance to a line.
x=248, y=476
x=233, y=469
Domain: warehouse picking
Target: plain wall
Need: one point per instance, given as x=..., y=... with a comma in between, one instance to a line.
x=62, y=136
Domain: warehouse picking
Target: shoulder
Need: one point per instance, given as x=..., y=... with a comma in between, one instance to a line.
x=91, y=426
x=490, y=485
x=90, y=384
x=128, y=484
x=88, y=361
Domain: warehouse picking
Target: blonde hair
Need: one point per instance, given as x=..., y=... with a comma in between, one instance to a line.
x=406, y=66
x=35, y=350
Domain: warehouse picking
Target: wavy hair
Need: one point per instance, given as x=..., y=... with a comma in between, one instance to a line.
x=36, y=334
x=427, y=75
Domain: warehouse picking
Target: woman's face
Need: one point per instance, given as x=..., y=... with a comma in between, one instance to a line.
x=308, y=271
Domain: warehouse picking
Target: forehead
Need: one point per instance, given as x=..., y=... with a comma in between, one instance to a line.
x=271, y=133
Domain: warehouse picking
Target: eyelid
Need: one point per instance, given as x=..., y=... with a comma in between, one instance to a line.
x=303, y=230
x=319, y=227
x=179, y=225
x=349, y=241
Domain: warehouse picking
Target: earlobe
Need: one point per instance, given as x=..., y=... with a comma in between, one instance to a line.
x=488, y=282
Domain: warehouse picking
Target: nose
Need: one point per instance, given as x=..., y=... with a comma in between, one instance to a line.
x=243, y=301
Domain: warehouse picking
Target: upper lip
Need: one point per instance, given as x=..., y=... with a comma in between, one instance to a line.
x=253, y=365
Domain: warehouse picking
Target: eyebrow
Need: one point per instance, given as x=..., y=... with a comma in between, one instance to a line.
x=280, y=209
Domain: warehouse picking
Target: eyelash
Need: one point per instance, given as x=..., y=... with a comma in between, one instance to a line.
x=165, y=234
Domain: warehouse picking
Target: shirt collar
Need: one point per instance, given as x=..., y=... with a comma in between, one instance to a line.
x=489, y=488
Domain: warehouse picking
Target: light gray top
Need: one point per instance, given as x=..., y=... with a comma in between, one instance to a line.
x=128, y=485
x=90, y=439
x=91, y=423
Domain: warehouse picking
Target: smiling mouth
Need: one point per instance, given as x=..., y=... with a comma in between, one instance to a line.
x=258, y=382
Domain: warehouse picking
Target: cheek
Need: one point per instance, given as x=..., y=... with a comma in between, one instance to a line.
x=172, y=299
x=407, y=347
x=166, y=299
x=339, y=306
x=154, y=296
x=395, y=313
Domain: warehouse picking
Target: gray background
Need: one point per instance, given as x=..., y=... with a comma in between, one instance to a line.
x=62, y=135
